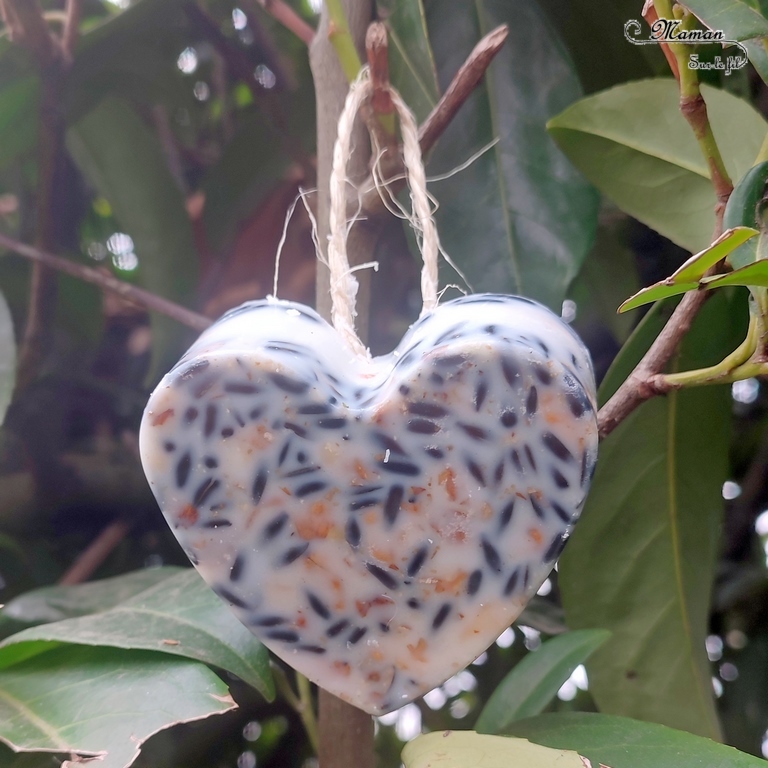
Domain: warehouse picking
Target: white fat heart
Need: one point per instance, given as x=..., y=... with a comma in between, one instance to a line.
x=376, y=523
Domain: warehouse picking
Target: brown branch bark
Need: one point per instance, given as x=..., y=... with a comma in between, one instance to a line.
x=89, y=560
x=283, y=13
x=107, y=282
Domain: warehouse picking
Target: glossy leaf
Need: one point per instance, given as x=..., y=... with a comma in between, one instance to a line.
x=100, y=701
x=47, y=604
x=641, y=560
x=687, y=277
x=7, y=357
x=758, y=56
x=124, y=162
x=519, y=219
x=738, y=19
x=619, y=742
x=752, y=274
x=411, y=65
x=535, y=680
x=632, y=142
x=180, y=616
x=467, y=749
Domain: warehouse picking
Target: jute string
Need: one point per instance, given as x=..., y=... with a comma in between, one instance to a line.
x=344, y=285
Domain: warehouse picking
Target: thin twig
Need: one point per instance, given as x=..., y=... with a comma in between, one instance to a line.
x=377, y=51
x=283, y=13
x=27, y=27
x=96, y=553
x=132, y=293
x=465, y=81
x=71, y=31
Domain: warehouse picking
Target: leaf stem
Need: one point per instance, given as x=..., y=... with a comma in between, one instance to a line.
x=307, y=711
x=341, y=39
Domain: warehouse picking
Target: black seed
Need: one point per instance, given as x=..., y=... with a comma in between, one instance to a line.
x=509, y=419
x=255, y=413
x=430, y=410
x=334, y=423
x=422, y=427
x=526, y=576
x=400, y=468
x=542, y=373
x=272, y=528
x=217, y=523
x=241, y=388
x=511, y=370
x=575, y=404
x=205, y=489
x=337, y=628
x=259, y=484
x=506, y=515
x=283, y=453
x=392, y=504
x=353, y=533
x=314, y=409
x=532, y=403
x=293, y=554
x=436, y=379
x=309, y=488
x=441, y=616
x=529, y=456
x=383, y=627
x=227, y=432
x=362, y=504
x=417, y=561
x=555, y=548
x=555, y=445
x=511, y=584
x=516, y=460
x=182, y=470
x=474, y=581
x=289, y=385
x=383, y=576
x=267, y=621
x=296, y=429
x=219, y=506
x=490, y=329
x=476, y=433
x=404, y=389
x=560, y=481
x=230, y=597
x=210, y=462
x=286, y=635
x=238, y=418
x=366, y=489
x=480, y=393
x=236, y=571
x=449, y=361
x=194, y=369
x=491, y=555
x=542, y=345
x=451, y=333
x=318, y=649
x=561, y=513
x=388, y=443
x=413, y=603
x=476, y=471
x=169, y=446
x=498, y=473
x=356, y=635
x=190, y=414
x=301, y=457
x=537, y=508
x=318, y=606
x=435, y=452
x=201, y=389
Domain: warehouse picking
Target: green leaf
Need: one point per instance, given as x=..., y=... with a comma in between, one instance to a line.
x=544, y=615
x=466, y=749
x=641, y=560
x=180, y=616
x=411, y=65
x=623, y=743
x=752, y=274
x=19, y=101
x=56, y=603
x=124, y=162
x=535, y=680
x=758, y=55
x=687, y=277
x=634, y=145
x=7, y=356
x=738, y=19
x=99, y=701
x=519, y=219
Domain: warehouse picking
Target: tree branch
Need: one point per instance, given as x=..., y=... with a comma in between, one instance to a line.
x=106, y=282
x=71, y=31
x=283, y=13
x=89, y=560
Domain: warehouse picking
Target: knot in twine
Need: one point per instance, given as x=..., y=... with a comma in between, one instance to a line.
x=344, y=284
